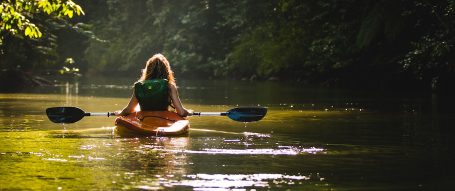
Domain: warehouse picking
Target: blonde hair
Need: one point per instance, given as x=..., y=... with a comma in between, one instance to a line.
x=158, y=67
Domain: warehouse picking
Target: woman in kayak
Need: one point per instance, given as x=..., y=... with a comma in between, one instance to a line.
x=156, y=89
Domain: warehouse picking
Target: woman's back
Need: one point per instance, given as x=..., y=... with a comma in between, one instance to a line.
x=152, y=95
x=156, y=89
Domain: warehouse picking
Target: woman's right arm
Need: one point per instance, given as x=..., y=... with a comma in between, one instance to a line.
x=129, y=108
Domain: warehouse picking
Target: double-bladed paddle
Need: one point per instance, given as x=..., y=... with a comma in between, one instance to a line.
x=74, y=114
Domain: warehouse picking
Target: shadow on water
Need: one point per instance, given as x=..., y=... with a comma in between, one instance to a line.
x=311, y=138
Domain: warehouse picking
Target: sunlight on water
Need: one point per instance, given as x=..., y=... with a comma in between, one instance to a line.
x=230, y=181
x=248, y=144
x=55, y=159
x=225, y=181
x=286, y=151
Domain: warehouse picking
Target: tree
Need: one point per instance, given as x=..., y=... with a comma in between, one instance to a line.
x=17, y=16
x=22, y=25
x=28, y=38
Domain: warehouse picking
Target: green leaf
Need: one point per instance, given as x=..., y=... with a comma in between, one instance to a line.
x=69, y=13
x=42, y=3
x=11, y=10
x=38, y=33
x=79, y=10
x=27, y=31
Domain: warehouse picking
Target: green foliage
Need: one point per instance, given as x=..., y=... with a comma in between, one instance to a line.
x=299, y=40
x=22, y=25
x=69, y=68
x=327, y=41
x=17, y=14
x=429, y=55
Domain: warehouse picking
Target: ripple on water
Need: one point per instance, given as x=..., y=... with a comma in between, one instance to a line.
x=278, y=151
x=203, y=181
x=229, y=181
x=253, y=144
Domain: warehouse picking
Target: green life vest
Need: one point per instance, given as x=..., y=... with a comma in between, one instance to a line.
x=153, y=95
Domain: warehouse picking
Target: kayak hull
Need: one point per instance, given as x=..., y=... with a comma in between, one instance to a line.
x=151, y=123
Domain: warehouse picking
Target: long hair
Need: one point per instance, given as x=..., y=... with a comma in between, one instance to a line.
x=158, y=67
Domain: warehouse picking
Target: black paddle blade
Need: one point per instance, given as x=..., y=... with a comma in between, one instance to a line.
x=247, y=114
x=64, y=114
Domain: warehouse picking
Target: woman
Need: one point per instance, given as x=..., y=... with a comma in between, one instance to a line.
x=156, y=89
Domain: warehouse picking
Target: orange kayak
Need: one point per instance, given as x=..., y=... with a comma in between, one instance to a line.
x=151, y=123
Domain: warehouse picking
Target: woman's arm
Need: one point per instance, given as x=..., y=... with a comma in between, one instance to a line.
x=129, y=108
x=176, y=101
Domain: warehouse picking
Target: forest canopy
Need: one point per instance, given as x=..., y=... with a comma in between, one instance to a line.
x=330, y=42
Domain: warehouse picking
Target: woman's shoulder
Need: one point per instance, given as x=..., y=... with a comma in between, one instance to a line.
x=142, y=83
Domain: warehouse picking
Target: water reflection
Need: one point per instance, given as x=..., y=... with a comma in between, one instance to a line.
x=239, y=181
x=310, y=140
x=249, y=144
x=284, y=151
x=169, y=161
x=147, y=166
x=71, y=93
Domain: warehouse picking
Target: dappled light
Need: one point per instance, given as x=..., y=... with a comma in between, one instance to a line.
x=227, y=95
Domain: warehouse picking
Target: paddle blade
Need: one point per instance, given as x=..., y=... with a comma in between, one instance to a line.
x=64, y=114
x=247, y=114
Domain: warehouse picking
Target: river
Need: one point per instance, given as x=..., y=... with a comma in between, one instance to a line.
x=311, y=139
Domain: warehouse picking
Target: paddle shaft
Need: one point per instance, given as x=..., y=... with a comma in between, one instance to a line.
x=99, y=114
x=210, y=113
x=194, y=113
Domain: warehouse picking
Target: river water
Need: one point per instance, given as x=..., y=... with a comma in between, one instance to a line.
x=311, y=139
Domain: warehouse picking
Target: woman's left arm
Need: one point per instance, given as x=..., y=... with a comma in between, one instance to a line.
x=176, y=101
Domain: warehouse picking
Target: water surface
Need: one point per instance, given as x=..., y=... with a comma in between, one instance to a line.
x=311, y=139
